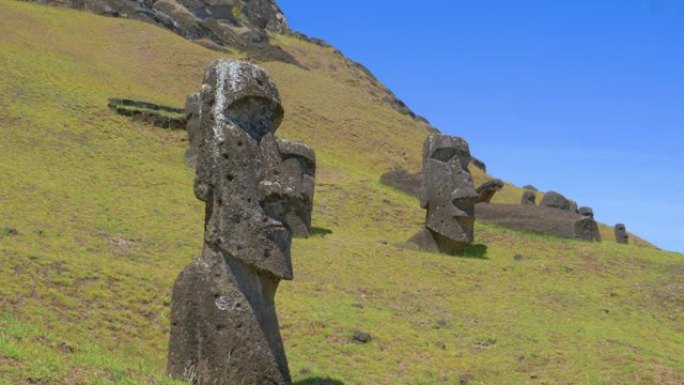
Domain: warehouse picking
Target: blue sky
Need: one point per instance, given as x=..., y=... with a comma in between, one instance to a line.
x=582, y=97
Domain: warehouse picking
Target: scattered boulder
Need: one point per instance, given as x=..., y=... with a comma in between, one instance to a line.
x=9, y=231
x=555, y=200
x=538, y=219
x=621, y=235
x=586, y=212
x=518, y=257
x=402, y=180
x=488, y=189
x=362, y=337
x=529, y=198
x=224, y=327
x=298, y=173
x=447, y=194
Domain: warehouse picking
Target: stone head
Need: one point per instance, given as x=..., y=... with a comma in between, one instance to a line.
x=447, y=189
x=238, y=168
x=298, y=174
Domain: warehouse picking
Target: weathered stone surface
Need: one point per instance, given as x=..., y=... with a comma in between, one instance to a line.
x=447, y=194
x=586, y=212
x=538, y=219
x=224, y=328
x=404, y=181
x=530, y=187
x=528, y=198
x=555, y=200
x=488, y=189
x=192, y=114
x=621, y=235
x=573, y=206
x=298, y=174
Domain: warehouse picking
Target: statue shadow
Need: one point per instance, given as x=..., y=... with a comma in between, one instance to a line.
x=474, y=251
x=320, y=231
x=318, y=381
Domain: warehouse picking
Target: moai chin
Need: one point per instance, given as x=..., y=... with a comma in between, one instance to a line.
x=448, y=195
x=224, y=328
x=299, y=172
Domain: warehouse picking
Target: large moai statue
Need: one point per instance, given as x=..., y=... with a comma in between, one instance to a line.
x=299, y=172
x=621, y=235
x=555, y=200
x=224, y=328
x=448, y=195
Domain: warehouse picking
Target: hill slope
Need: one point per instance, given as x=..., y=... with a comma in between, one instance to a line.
x=107, y=218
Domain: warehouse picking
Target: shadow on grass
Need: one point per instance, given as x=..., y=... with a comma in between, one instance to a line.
x=474, y=251
x=320, y=232
x=318, y=381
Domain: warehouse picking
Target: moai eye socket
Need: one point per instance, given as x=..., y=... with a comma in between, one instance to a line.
x=444, y=154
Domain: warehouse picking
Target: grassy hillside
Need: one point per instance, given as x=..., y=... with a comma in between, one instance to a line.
x=107, y=218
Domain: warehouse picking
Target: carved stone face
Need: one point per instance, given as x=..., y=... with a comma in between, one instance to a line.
x=238, y=171
x=298, y=174
x=447, y=192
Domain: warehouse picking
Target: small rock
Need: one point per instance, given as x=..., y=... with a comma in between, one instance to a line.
x=362, y=337
x=305, y=371
x=10, y=231
x=442, y=323
x=441, y=345
x=357, y=305
x=383, y=242
x=464, y=380
x=518, y=257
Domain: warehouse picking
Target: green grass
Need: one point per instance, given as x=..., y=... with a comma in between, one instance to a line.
x=107, y=219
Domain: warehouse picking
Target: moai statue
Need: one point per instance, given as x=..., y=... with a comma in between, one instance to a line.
x=555, y=200
x=586, y=211
x=224, y=328
x=299, y=171
x=621, y=235
x=448, y=195
x=529, y=198
x=573, y=207
x=192, y=113
x=488, y=189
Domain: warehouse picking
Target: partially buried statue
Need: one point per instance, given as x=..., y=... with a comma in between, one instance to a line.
x=299, y=171
x=448, y=195
x=224, y=328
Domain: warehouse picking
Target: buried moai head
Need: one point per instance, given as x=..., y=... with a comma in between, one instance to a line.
x=621, y=235
x=238, y=167
x=192, y=113
x=298, y=175
x=448, y=195
x=528, y=198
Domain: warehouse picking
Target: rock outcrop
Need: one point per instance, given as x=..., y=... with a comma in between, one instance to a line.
x=538, y=219
x=218, y=24
x=224, y=328
x=447, y=194
x=621, y=235
x=488, y=189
